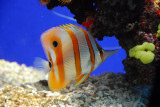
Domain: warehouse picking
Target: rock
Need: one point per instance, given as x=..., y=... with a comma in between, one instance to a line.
x=32, y=91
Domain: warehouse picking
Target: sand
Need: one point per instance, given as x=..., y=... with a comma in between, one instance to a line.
x=21, y=86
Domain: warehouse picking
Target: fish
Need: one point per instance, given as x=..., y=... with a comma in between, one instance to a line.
x=72, y=53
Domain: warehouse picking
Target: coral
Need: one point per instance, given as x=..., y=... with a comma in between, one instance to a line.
x=133, y=22
x=147, y=57
x=139, y=52
x=158, y=31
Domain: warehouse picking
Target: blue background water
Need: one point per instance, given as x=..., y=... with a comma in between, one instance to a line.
x=23, y=21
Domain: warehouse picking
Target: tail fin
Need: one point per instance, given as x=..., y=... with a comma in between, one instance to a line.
x=107, y=53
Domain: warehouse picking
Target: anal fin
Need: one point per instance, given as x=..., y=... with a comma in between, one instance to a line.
x=82, y=78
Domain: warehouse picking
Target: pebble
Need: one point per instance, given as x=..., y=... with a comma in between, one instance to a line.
x=20, y=86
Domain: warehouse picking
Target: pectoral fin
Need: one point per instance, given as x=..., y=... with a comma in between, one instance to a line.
x=41, y=65
x=82, y=78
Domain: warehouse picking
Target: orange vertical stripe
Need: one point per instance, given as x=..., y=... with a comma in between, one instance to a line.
x=92, y=56
x=76, y=51
x=79, y=78
x=90, y=49
x=59, y=61
x=48, y=40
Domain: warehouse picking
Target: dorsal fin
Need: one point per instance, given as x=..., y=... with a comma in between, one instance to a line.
x=67, y=26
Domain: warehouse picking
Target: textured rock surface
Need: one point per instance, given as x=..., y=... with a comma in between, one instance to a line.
x=21, y=86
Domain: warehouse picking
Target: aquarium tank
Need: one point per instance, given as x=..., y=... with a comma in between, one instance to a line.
x=34, y=71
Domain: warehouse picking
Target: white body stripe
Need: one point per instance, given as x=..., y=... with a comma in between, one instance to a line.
x=42, y=38
x=83, y=49
x=55, y=67
x=98, y=59
x=68, y=56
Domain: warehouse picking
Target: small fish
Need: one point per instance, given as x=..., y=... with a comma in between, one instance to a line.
x=72, y=54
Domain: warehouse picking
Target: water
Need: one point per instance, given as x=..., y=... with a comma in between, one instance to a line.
x=23, y=21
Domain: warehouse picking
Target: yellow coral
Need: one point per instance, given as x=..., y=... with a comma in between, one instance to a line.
x=139, y=48
x=149, y=46
x=158, y=35
x=147, y=57
x=158, y=31
x=138, y=54
x=159, y=27
x=143, y=52
x=132, y=52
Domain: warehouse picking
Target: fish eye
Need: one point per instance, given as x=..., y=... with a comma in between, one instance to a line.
x=50, y=65
x=55, y=44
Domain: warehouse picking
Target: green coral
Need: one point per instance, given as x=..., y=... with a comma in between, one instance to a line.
x=158, y=31
x=148, y=46
x=159, y=27
x=147, y=57
x=143, y=52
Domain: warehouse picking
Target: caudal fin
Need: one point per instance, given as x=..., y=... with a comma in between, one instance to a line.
x=107, y=53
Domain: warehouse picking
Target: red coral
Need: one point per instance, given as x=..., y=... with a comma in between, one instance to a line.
x=154, y=36
x=149, y=1
x=88, y=23
x=143, y=23
x=158, y=13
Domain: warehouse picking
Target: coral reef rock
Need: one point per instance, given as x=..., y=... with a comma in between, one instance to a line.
x=25, y=86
